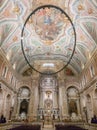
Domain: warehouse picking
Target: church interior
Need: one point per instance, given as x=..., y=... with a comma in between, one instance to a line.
x=48, y=64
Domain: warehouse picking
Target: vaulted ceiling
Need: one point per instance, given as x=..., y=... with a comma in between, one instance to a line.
x=53, y=45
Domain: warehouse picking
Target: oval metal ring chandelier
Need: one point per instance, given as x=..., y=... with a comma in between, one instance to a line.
x=53, y=20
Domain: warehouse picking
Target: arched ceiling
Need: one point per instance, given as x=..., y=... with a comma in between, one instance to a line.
x=13, y=14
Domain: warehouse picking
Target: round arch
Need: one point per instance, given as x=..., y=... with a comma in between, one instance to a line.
x=74, y=85
x=24, y=88
x=73, y=102
x=23, y=102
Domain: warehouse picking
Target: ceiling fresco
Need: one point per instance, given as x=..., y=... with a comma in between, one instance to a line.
x=48, y=38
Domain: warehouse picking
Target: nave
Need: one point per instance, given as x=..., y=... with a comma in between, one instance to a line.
x=48, y=64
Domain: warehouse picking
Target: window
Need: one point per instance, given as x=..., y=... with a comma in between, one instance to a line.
x=48, y=65
x=92, y=71
x=5, y=72
x=11, y=79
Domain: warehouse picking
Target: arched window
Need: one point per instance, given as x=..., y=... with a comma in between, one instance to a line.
x=5, y=72
x=92, y=71
x=11, y=79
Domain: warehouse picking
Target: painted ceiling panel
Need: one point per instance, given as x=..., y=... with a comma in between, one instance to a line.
x=54, y=42
x=92, y=30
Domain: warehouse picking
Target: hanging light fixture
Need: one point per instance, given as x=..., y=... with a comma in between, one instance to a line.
x=49, y=23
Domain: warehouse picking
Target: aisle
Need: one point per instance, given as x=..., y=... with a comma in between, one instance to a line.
x=48, y=128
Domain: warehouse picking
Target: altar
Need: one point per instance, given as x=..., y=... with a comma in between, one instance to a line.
x=48, y=108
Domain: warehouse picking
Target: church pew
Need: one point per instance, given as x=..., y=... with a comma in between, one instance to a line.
x=27, y=127
x=70, y=127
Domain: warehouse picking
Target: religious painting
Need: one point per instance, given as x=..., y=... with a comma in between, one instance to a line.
x=24, y=106
x=49, y=24
x=48, y=104
x=72, y=107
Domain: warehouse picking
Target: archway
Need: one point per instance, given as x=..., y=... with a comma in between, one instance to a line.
x=48, y=104
x=73, y=103
x=23, y=102
x=24, y=109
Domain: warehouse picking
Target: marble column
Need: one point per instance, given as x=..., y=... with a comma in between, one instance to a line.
x=1, y=102
x=36, y=101
x=78, y=107
x=18, y=107
x=41, y=99
x=55, y=101
x=65, y=106
x=15, y=105
x=82, y=107
x=3, y=110
x=95, y=106
x=60, y=101
x=31, y=104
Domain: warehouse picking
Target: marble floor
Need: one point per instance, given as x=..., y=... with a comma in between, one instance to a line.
x=48, y=127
